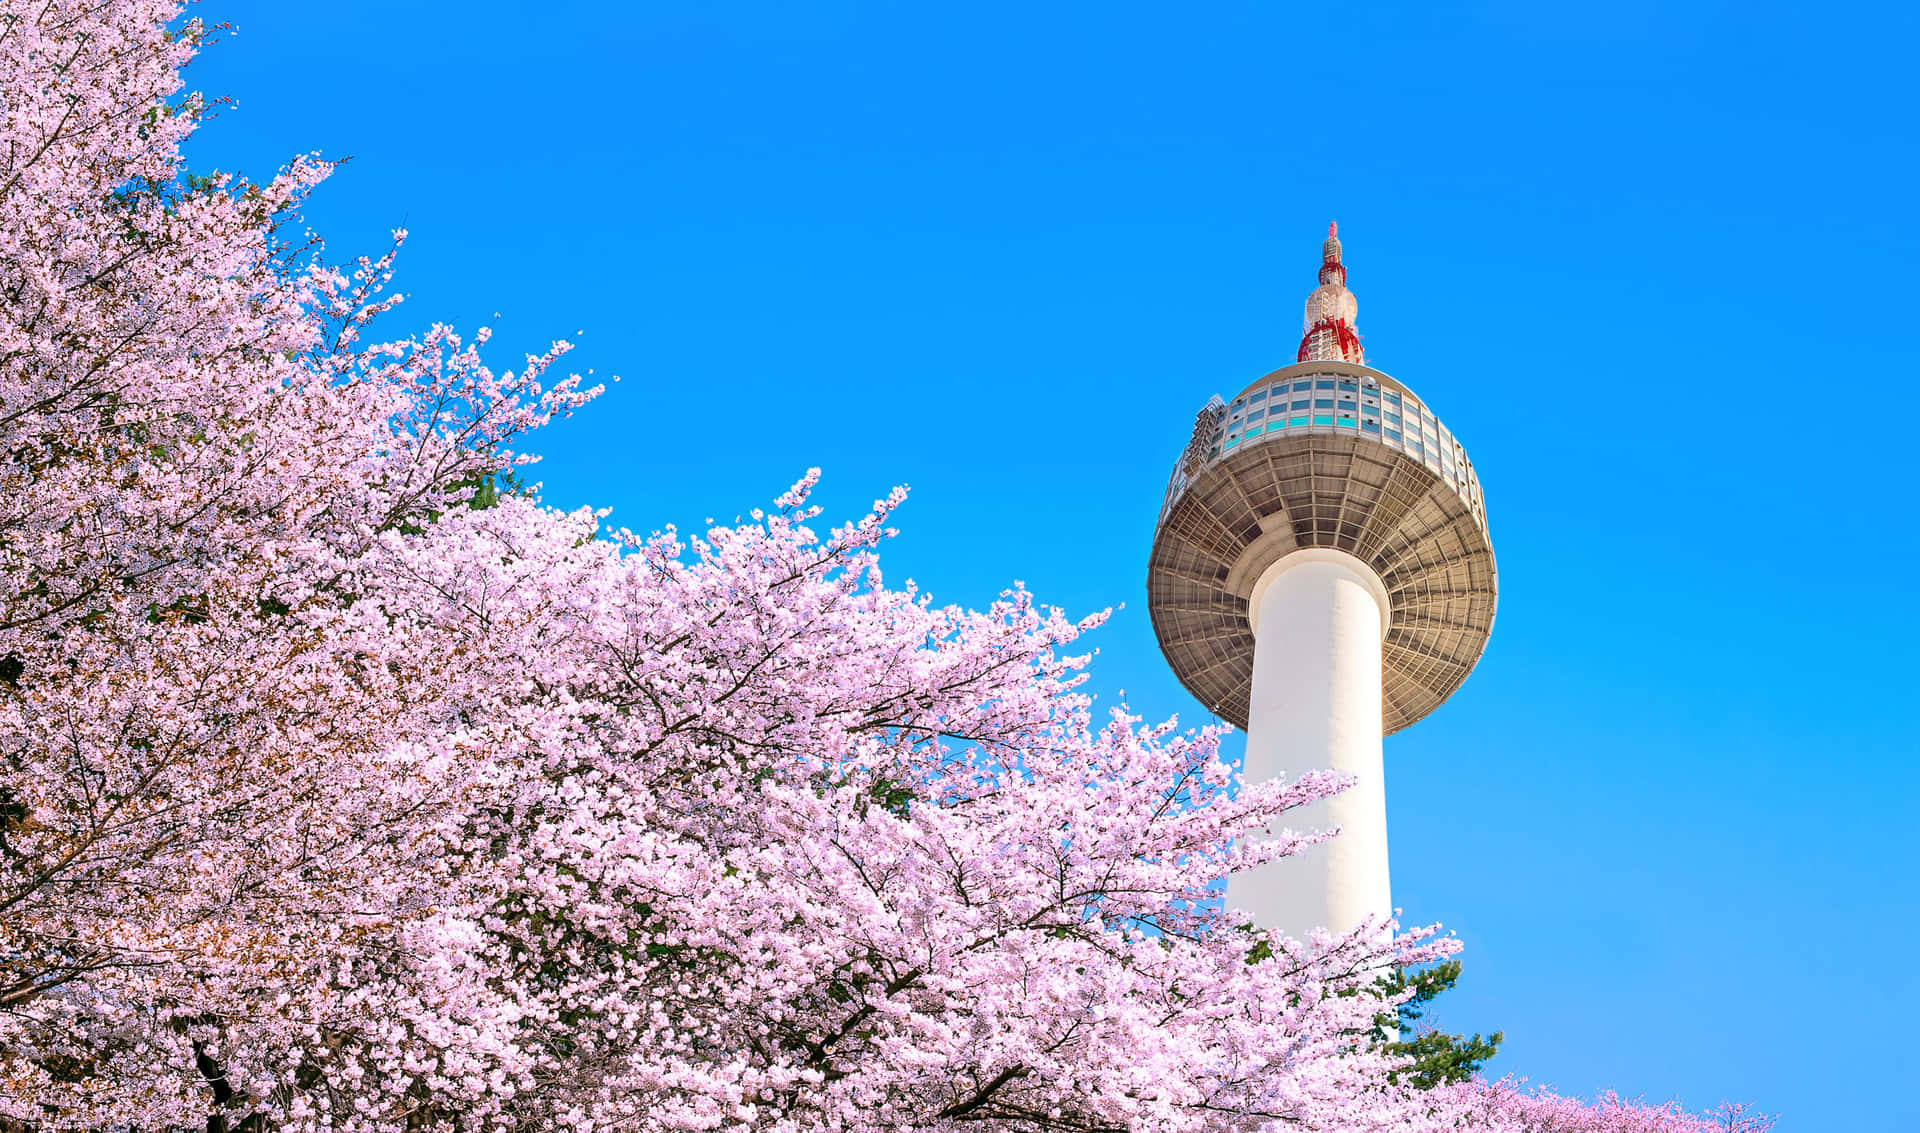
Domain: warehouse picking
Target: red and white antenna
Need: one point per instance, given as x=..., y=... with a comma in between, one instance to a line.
x=1331, y=311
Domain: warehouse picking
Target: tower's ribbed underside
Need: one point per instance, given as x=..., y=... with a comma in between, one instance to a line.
x=1244, y=510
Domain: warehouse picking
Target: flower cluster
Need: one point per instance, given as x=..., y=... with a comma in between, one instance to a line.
x=1505, y=1107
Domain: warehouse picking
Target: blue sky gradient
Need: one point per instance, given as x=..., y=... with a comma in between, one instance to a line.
x=1651, y=263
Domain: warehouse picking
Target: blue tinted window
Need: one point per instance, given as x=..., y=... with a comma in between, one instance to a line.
x=1261, y=396
x=1392, y=397
x=1299, y=386
x=1323, y=385
x=1238, y=403
x=1350, y=387
x=1301, y=404
x=1255, y=414
x=1328, y=420
x=1296, y=420
x=1393, y=434
x=1346, y=422
x=1370, y=425
x=1323, y=403
x=1392, y=417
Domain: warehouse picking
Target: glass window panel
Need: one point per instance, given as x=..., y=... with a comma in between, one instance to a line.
x=1350, y=387
x=1327, y=420
x=1393, y=434
x=1296, y=420
x=1346, y=422
x=1323, y=403
x=1255, y=414
x=1302, y=403
x=1260, y=395
x=1323, y=385
x=1370, y=425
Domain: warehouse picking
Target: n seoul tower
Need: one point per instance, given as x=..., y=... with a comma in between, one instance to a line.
x=1322, y=577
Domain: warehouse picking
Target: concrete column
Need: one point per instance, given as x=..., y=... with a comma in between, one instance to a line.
x=1318, y=617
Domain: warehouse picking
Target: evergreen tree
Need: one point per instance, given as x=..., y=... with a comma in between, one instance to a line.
x=1439, y=1058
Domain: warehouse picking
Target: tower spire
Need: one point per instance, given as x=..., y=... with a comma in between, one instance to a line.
x=1331, y=311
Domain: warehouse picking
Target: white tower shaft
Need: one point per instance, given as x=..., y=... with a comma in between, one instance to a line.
x=1318, y=617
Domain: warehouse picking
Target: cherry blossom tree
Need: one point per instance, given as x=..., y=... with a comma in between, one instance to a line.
x=1506, y=1107
x=341, y=790
x=211, y=753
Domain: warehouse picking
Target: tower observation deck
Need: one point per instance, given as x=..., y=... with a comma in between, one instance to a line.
x=1322, y=576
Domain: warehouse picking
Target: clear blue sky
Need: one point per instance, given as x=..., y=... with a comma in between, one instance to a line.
x=1653, y=263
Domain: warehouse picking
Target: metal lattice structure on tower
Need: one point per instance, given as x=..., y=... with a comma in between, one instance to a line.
x=1328, y=334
